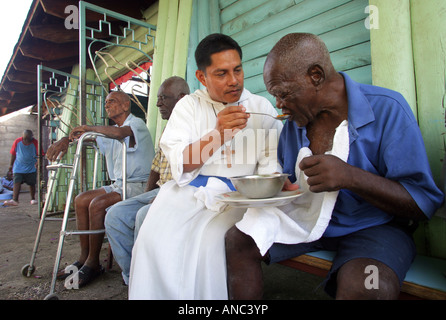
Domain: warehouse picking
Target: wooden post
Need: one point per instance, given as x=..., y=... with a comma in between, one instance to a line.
x=155, y=79
x=429, y=48
x=170, y=56
x=391, y=48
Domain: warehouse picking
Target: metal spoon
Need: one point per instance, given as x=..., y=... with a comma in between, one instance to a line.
x=279, y=117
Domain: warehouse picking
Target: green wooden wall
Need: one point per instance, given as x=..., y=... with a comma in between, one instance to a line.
x=408, y=55
x=428, y=21
x=429, y=49
x=170, y=55
x=258, y=24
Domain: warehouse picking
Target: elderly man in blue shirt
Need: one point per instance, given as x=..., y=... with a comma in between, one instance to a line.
x=384, y=187
x=91, y=205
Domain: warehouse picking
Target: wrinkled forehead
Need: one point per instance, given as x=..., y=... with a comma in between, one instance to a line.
x=274, y=66
x=115, y=95
x=274, y=74
x=165, y=88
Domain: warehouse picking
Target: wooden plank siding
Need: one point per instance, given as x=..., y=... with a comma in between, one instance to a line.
x=170, y=55
x=409, y=57
x=428, y=20
x=258, y=25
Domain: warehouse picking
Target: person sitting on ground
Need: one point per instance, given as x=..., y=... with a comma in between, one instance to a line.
x=7, y=182
x=90, y=206
x=179, y=251
x=124, y=218
x=6, y=187
x=23, y=166
x=384, y=186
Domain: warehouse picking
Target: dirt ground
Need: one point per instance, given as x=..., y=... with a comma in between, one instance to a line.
x=18, y=230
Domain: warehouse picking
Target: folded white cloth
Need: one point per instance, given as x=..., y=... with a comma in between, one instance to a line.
x=303, y=220
x=207, y=194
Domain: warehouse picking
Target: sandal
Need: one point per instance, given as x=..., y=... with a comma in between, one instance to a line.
x=10, y=203
x=87, y=274
x=62, y=275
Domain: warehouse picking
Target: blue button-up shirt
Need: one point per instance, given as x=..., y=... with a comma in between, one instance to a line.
x=384, y=139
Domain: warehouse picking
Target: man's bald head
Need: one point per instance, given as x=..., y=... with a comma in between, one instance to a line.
x=178, y=85
x=122, y=96
x=296, y=53
x=27, y=136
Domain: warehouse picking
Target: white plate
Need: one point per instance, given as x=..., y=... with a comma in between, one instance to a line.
x=237, y=200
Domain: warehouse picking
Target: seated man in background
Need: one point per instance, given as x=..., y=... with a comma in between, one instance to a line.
x=384, y=186
x=90, y=206
x=123, y=219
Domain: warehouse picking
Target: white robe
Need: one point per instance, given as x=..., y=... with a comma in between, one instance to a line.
x=180, y=253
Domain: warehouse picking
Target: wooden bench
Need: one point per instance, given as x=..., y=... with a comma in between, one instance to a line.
x=426, y=278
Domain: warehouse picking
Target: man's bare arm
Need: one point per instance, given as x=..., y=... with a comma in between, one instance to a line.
x=113, y=132
x=329, y=173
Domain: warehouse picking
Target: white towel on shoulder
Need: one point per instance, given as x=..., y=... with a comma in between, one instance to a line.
x=303, y=220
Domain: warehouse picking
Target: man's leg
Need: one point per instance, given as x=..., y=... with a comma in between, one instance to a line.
x=31, y=180
x=140, y=216
x=120, y=227
x=18, y=179
x=32, y=191
x=142, y=212
x=243, y=260
x=378, y=283
x=16, y=191
x=81, y=205
x=96, y=217
x=371, y=263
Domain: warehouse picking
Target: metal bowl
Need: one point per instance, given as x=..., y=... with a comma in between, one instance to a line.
x=259, y=186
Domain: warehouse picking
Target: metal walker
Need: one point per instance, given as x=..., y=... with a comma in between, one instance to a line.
x=28, y=269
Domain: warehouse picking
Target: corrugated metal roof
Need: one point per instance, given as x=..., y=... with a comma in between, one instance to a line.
x=45, y=40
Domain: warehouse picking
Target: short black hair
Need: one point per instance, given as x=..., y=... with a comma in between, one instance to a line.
x=214, y=43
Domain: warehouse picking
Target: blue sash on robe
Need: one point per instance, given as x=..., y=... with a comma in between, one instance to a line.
x=201, y=181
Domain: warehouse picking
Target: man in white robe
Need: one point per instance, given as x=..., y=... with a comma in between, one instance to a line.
x=180, y=251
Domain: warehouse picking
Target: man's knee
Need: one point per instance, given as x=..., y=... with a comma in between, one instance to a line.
x=111, y=218
x=141, y=215
x=366, y=279
x=100, y=203
x=234, y=239
x=82, y=200
x=237, y=242
x=117, y=215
